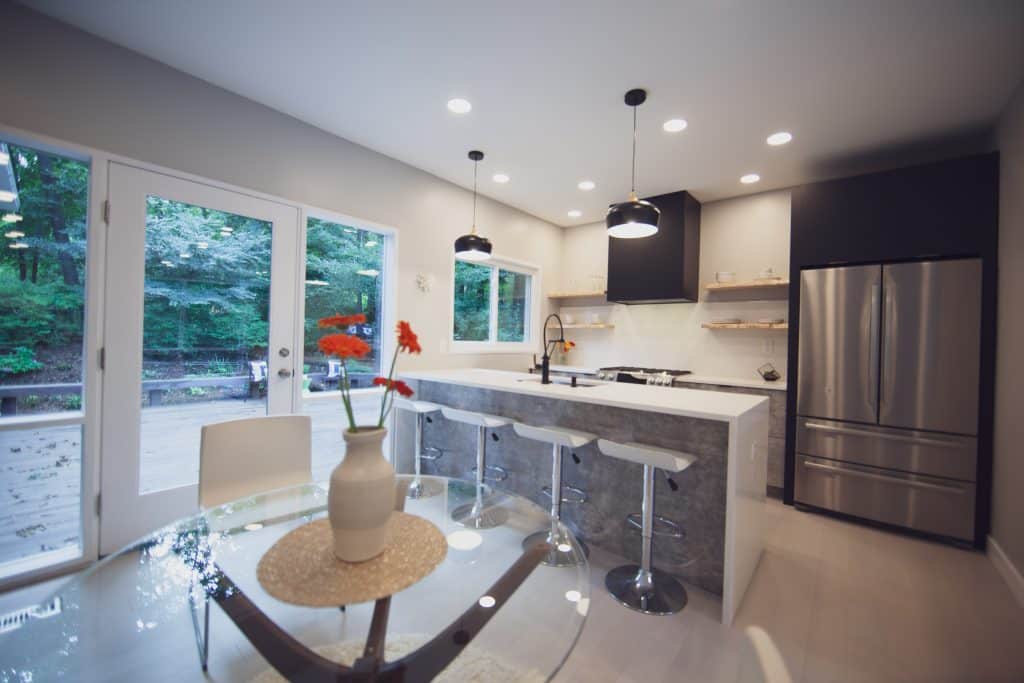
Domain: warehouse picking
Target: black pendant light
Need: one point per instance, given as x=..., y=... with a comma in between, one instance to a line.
x=635, y=218
x=473, y=247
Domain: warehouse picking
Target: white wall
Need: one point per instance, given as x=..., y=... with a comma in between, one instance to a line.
x=1008, y=466
x=76, y=87
x=743, y=235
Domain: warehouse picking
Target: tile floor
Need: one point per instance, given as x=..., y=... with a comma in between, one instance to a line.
x=842, y=602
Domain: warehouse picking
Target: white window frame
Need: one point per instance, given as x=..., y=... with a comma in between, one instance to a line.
x=533, y=309
x=389, y=297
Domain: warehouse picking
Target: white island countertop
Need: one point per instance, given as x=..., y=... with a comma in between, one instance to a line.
x=709, y=405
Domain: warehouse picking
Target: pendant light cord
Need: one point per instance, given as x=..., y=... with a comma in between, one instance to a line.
x=633, y=182
x=475, y=164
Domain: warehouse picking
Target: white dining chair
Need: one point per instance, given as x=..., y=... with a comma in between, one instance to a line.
x=761, y=661
x=240, y=458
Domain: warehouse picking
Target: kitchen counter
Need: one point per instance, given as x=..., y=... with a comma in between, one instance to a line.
x=719, y=501
x=709, y=405
x=752, y=383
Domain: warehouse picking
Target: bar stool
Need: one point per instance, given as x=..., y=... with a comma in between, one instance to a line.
x=417, y=487
x=642, y=587
x=474, y=514
x=561, y=554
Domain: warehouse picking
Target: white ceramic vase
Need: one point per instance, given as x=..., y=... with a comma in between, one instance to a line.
x=361, y=496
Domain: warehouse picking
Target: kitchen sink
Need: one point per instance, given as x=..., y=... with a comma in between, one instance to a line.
x=564, y=381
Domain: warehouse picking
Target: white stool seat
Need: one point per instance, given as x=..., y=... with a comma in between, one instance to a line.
x=559, y=436
x=416, y=406
x=478, y=419
x=662, y=458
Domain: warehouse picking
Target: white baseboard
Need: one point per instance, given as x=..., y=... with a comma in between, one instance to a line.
x=1010, y=573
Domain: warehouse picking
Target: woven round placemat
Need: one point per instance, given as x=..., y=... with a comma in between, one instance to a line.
x=301, y=567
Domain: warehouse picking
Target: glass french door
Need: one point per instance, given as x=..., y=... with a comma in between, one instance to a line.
x=49, y=255
x=200, y=327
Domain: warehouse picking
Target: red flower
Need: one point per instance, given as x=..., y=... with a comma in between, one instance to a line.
x=342, y=321
x=343, y=346
x=407, y=339
x=394, y=385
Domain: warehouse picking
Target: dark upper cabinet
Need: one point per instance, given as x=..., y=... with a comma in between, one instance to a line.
x=664, y=267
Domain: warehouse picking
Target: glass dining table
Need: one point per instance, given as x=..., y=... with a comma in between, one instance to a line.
x=491, y=611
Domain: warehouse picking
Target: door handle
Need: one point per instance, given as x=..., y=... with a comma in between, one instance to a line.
x=284, y=373
x=874, y=341
x=944, y=488
x=890, y=332
x=848, y=431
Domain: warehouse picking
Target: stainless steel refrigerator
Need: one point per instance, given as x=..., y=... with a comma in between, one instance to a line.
x=887, y=395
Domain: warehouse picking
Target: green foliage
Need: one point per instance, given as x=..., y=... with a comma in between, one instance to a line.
x=20, y=360
x=207, y=277
x=72, y=402
x=335, y=255
x=472, y=302
x=513, y=295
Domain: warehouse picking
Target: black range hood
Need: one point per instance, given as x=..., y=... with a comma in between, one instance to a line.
x=664, y=267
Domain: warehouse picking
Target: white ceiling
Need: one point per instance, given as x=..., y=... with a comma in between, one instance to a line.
x=546, y=79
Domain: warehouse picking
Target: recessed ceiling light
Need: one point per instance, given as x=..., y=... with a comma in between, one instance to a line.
x=317, y=283
x=500, y=178
x=6, y=196
x=369, y=272
x=14, y=234
x=487, y=601
x=749, y=178
x=202, y=245
x=457, y=105
x=780, y=138
x=12, y=218
x=586, y=185
x=18, y=245
x=575, y=213
x=184, y=254
x=674, y=125
x=253, y=526
x=371, y=243
x=573, y=596
x=167, y=263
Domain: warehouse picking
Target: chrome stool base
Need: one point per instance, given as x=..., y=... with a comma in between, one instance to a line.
x=472, y=516
x=424, y=488
x=657, y=593
x=557, y=558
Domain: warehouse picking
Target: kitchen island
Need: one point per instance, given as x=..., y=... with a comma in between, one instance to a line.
x=719, y=501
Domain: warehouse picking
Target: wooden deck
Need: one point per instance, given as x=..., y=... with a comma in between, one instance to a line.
x=40, y=468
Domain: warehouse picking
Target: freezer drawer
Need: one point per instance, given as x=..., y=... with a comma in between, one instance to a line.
x=939, y=455
x=929, y=504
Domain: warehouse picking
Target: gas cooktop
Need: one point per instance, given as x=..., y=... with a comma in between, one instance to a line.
x=638, y=375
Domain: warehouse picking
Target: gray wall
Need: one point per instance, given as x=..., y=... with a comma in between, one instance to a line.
x=73, y=86
x=1008, y=465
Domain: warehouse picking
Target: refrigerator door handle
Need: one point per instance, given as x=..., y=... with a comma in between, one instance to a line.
x=849, y=431
x=875, y=333
x=945, y=488
x=890, y=334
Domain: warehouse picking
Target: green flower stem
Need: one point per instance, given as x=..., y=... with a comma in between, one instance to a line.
x=346, y=396
x=387, y=389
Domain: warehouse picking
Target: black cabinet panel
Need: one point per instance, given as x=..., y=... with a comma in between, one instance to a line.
x=948, y=209
x=664, y=267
